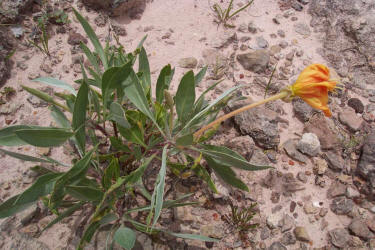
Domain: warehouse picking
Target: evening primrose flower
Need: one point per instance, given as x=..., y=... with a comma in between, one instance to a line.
x=312, y=86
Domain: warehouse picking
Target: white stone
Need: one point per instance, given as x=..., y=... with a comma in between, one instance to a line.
x=309, y=144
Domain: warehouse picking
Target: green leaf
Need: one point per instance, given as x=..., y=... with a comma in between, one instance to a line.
x=41, y=187
x=140, y=44
x=91, y=57
x=79, y=116
x=199, y=77
x=164, y=79
x=144, y=67
x=134, y=134
x=226, y=174
x=44, y=97
x=125, y=237
x=158, y=194
x=185, y=96
x=117, y=114
x=8, y=209
x=185, y=140
x=85, y=193
x=44, y=136
x=56, y=83
x=59, y=117
x=94, y=39
x=22, y=156
x=229, y=158
x=202, y=173
x=193, y=237
x=9, y=138
x=76, y=172
x=112, y=172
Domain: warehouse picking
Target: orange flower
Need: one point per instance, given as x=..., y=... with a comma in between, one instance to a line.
x=313, y=85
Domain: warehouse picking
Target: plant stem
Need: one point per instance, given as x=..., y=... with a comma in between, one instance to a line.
x=281, y=95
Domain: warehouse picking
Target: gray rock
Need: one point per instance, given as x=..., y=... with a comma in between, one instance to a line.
x=76, y=38
x=341, y=205
x=251, y=27
x=309, y=144
x=256, y=61
x=264, y=233
x=352, y=193
x=297, y=6
x=11, y=10
x=288, y=239
x=188, y=62
x=259, y=158
x=216, y=231
x=301, y=234
x=358, y=227
x=334, y=160
x=244, y=144
x=320, y=126
x=283, y=44
x=290, y=147
x=132, y=8
x=10, y=108
x=286, y=223
x=339, y=237
x=366, y=165
x=349, y=118
x=281, y=33
x=336, y=189
x=242, y=28
x=356, y=104
x=304, y=2
x=273, y=220
x=302, y=29
x=277, y=246
x=100, y=20
x=261, y=124
x=261, y=42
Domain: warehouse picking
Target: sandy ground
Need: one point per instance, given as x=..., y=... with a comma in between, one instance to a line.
x=193, y=30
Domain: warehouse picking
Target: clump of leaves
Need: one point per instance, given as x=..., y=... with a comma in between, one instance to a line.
x=224, y=15
x=240, y=218
x=119, y=130
x=44, y=37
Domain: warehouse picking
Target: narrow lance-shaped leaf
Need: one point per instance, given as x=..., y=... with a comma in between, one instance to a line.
x=22, y=156
x=9, y=138
x=94, y=39
x=79, y=116
x=59, y=117
x=44, y=137
x=164, y=79
x=144, y=67
x=185, y=96
x=56, y=83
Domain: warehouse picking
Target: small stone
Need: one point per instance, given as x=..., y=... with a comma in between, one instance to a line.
x=352, y=193
x=349, y=118
x=273, y=221
x=297, y=6
x=256, y=61
x=288, y=239
x=261, y=42
x=43, y=151
x=275, y=49
x=320, y=166
x=290, y=148
x=309, y=144
x=46, y=68
x=188, y=62
x=302, y=29
x=277, y=19
x=100, y=20
x=215, y=231
x=251, y=27
x=17, y=31
x=10, y=108
x=341, y=205
x=335, y=162
x=76, y=38
x=358, y=227
x=286, y=223
x=148, y=28
x=242, y=28
x=356, y=104
x=336, y=189
x=167, y=35
x=301, y=234
x=281, y=33
x=283, y=44
x=292, y=207
x=309, y=208
x=304, y=2
x=264, y=233
x=277, y=246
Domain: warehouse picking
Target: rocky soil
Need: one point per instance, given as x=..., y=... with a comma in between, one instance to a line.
x=321, y=192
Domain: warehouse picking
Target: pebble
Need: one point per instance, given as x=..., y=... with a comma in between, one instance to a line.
x=261, y=42
x=341, y=205
x=302, y=29
x=188, y=62
x=309, y=208
x=356, y=104
x=297, y=6
x=301, y=234
x=283, y=44
x=281, y=33
x=358, y=227
x=251, y=27
x=309, y=144
x=277, y=246
x=302, y=177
